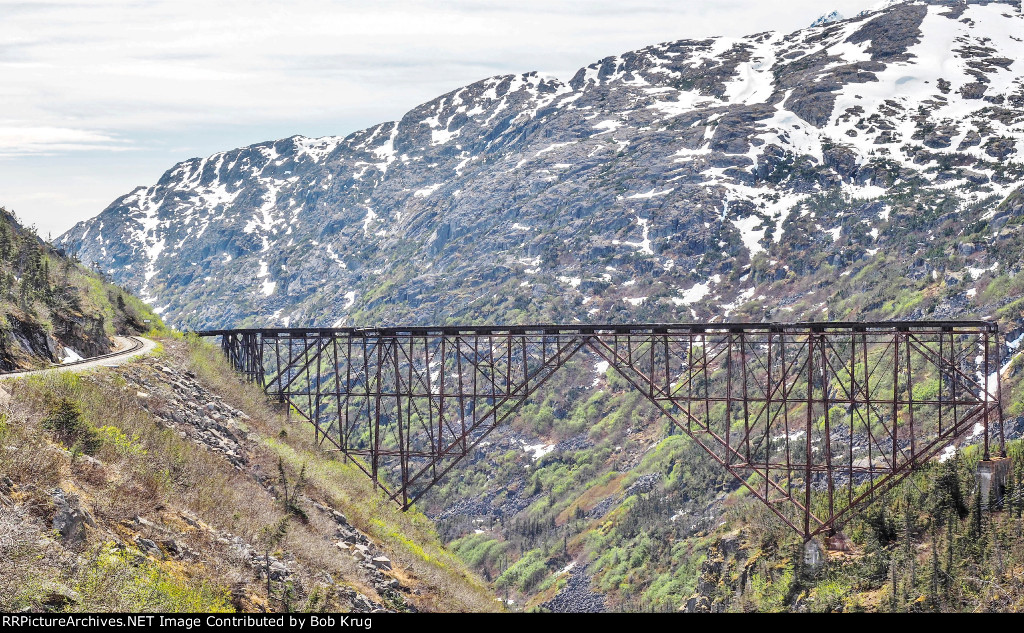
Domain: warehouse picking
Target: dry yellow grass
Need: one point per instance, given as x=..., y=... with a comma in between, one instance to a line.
x=409, y=537
x=589, y=499
x=151, y=471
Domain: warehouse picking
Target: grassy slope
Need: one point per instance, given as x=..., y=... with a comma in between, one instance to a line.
x=409, y=536
x=147, y=470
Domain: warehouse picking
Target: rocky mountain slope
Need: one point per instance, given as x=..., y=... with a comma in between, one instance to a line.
x=929, y=546
x=166, y=485
x=862, y=168
x=54, y=310
x=687, y=180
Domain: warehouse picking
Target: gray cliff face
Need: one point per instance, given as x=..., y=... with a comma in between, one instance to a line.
x=685, y=180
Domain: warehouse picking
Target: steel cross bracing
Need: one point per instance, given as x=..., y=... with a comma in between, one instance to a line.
x=814, y=419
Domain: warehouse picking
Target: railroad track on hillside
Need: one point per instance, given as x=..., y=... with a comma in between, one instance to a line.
x=136, y=345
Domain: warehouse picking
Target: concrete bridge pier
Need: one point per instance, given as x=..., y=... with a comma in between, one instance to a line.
x=991, y=480
x=814, y=556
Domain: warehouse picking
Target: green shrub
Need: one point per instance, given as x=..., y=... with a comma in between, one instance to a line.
x=128, y=582
x=526, y=573
x=120, y=442
x=65, y=420
x=830, y=596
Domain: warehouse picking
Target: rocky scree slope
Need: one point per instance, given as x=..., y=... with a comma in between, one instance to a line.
x=54, y=310
x=712, y=178
x=163, y=485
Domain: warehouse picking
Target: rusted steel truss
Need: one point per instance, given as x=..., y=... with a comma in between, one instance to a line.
x=814, y=419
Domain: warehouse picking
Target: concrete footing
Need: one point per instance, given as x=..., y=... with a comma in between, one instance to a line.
x=814, y=556
x=991, y=479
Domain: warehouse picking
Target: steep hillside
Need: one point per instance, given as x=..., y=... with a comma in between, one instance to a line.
x=859, y=169
x=52, y=309
x=931, y=545
x=592, y=502
x=167, y=485
x=697, y=179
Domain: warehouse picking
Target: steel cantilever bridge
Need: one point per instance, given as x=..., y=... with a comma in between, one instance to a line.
x=814, y=419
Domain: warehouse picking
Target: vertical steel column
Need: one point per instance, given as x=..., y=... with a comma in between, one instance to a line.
x=746, y=396
x=400, y=422
x=999, y=390
x=985, y=394
x=807, y=435
x=910, y=404
x=826, y=406
x=895, y=395
x=728, y=400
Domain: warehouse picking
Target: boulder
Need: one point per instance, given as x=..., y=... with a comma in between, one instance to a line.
x=1001, y=147
x=149, y=547
x=278, y=571
x=70, y=518
x=54, y=596
x=973, y=90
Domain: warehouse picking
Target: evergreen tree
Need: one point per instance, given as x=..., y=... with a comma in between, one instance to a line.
x=949, y=555
x=895, y=591
x=282, y=479
x=935, y=575
x=909, y=503
x=946, y=491
x=6, y=242
x=1018, y=494
x=6, y=285
x=271, y=538
x=976, y=521
x=24, y=296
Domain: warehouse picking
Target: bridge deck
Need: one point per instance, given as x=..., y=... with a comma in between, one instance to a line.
x=572, y=329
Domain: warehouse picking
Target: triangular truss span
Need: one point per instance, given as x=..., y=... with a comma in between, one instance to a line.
x=814, y=419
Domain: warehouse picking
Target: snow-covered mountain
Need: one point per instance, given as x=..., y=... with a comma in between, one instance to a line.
x=759, y=177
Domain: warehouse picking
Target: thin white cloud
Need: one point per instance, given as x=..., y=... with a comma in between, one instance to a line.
x=18, y=140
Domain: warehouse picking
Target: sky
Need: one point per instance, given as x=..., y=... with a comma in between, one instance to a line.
x=99, y=96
